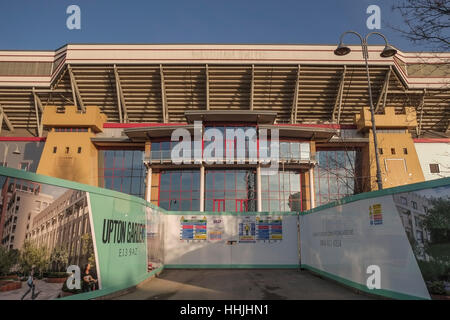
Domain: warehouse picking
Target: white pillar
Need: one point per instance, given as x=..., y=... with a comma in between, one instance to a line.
x=258, y=189
x=148, y=193
x=311, y=187
x=202, y=188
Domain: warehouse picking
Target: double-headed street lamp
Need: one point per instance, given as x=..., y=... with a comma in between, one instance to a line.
x=387, y=52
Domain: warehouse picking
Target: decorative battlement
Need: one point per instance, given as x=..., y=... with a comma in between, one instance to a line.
x=388, y=120
x=57, y=117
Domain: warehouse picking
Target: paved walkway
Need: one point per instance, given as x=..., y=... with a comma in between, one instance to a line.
x=43, y=290
x=240, y=285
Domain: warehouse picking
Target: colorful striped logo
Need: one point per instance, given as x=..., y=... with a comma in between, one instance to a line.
x=375, y=214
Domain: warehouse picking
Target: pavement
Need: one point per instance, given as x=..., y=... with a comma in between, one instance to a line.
x=42, y=291
x=240, y=284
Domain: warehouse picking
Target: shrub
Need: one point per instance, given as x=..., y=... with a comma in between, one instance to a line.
x=33, y=256
x=436, y=287
x=8, y=258
x=432, y=270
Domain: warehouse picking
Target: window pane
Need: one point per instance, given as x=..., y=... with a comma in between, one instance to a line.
x=284, y=150
x=265, y=205
x=275, y=205
x=108, y=183
x=136, y=186
x=128, y=158
x=195, y=205
x=109, y=159
x=165, y=181
x=230, y=205
x=241, y=180
x=126, y=184
x=185, y=205
x=164, y=195
x=176, y=181
x=230, y=194
x=295, y=150
x=295, y=182
x=273, y=182
x=117, y=183
x=229, y=181
x=209, y=205
x=195, y=180
x=186, y=180
x=137, y=159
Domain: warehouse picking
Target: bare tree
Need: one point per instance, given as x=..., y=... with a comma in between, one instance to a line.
x=426, y=21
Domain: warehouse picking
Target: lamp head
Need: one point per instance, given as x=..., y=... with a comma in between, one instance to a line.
x=388, y=51
x=342, y=50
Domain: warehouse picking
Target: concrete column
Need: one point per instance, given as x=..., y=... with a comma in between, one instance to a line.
x=148, y=184
x=202, y=188
x=258, y=189
x=311, y=187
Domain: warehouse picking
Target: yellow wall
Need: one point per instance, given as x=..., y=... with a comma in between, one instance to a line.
x=67, y=162
x=155, y=188
x=397, y=169
x=54, y=116
x=80, y=167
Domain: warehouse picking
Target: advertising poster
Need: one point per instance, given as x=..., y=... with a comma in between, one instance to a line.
x=269, y=228
x=247, y=229
x=215, y=229
x=120, y=235
x=349, y=239
x=193, y=228
x=425, y=215
x=50, y=229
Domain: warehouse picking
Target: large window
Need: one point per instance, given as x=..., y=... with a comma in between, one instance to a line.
x=180, y=190
x=230, y=190
x=291, y=150
x=161, y=151
x=281, y=192
x=122, y=170
x=336, y=175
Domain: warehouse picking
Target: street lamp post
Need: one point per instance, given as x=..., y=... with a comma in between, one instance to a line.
x=387, y=52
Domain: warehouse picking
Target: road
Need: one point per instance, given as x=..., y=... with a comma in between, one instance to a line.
x=240, y=284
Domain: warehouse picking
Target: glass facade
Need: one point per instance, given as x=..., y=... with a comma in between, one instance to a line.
x=232, y=144
x=122, y=170
x=230, y=190
x=335, y=175
x=281, y=192
x=179, y=190
x=288, y=150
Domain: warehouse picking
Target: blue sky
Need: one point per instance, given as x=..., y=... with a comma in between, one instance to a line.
x=41, y=24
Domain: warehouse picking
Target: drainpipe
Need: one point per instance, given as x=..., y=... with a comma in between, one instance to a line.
x=202, y=188
x=258, y=189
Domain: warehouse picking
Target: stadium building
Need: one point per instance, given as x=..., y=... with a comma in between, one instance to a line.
x=104, y=115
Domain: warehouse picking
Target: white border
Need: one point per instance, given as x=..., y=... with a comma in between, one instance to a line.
x=91, y=220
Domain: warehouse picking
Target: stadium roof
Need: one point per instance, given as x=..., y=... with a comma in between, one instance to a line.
x=159, y=83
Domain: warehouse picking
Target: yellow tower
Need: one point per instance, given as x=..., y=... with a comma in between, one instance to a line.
x=68, y=152
x=398, y=158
